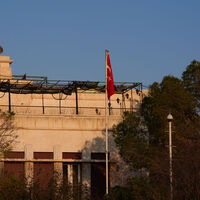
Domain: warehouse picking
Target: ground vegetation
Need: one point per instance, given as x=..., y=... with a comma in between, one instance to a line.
x=12, y=188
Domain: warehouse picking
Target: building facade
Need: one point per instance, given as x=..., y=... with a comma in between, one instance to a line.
x=61, y=128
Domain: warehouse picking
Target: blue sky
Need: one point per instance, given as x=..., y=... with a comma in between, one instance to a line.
x=66, y=39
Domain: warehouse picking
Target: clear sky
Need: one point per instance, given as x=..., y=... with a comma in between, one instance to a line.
x=66, y=39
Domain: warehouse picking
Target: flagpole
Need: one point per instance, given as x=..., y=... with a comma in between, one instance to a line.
x=106, y=119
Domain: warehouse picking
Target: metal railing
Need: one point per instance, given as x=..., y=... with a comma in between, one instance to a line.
x=64, y=110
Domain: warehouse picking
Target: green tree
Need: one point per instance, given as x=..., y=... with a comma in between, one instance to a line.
x=7, y=131
x=131, y=138
x=168, y=96
x=147, y=151
x=191, y=80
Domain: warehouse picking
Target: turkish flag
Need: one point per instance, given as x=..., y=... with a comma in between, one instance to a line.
x=110, y=83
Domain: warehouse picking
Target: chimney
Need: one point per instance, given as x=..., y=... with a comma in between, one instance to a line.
x=5, y=69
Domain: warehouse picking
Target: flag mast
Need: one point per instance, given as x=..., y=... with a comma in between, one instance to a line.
x=106, y=118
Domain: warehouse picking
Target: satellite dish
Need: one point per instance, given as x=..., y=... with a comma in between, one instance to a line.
x=1, y=49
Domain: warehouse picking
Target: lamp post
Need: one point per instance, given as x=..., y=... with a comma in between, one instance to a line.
x=170, y=118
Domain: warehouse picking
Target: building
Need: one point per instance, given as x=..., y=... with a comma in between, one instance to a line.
x=60, y=127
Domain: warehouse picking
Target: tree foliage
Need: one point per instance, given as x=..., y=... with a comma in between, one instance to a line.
x=168, y=97
x=131, y=139
x=147, y=151
x=7, y=131
x=191, y=78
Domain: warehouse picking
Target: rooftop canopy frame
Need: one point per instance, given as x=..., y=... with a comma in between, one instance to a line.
x=23, y=84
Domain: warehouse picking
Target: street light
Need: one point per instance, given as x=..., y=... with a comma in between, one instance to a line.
x=170, y=118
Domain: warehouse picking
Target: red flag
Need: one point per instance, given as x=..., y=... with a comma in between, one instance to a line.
x=110, y=83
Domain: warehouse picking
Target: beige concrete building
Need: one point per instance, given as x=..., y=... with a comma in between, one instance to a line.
x=60, y=126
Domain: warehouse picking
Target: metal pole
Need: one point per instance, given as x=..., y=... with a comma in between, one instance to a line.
x=9, y=98
x=106, y=120
x=131, y=101
x=60, y=98
x=109, y=107
x=76, y=93
x=170, y=118
x=43, y=104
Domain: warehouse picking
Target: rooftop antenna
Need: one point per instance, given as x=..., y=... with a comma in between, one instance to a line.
x=1, y=49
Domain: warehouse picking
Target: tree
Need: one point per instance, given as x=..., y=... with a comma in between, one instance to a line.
x=147, y=151
x=131, y=139
x=191, y=80
x=7, y=131
x=168, y=96
x=171, y=96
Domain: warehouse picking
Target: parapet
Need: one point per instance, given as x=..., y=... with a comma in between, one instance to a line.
x=5, y=69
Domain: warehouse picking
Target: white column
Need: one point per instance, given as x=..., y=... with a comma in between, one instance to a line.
x=70, y=174
x=86, y=174
x=28, y=163
x=58, y=165
x=86, y=170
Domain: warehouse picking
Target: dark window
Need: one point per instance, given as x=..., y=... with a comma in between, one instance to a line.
x=14, y=168
x=65, y=174
x=72, y=155
x=98, y=181
x=99, y=156
x=43, y=173
x=14, y=154
x=43, y=155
